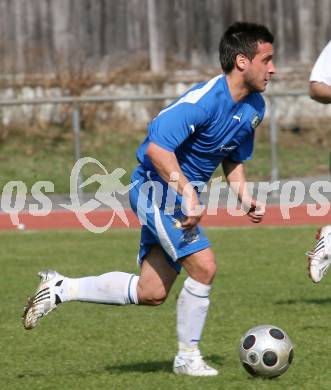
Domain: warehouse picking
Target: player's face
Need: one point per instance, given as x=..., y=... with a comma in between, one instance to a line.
x=260, y=69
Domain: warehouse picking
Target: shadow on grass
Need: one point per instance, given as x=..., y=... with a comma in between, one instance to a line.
x=41, y=375
x=30, y=375
x=154, y=366
x=143, y=367
x=320, y=301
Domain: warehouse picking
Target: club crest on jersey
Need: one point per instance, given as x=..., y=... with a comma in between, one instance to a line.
x=255, y=121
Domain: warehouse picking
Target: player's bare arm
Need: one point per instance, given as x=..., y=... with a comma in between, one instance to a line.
x=320, y=92
x=166, y=164
x=235, y=176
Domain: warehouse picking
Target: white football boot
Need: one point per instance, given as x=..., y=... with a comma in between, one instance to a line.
x=192, y=365
x=319, y=260
x=44, y=301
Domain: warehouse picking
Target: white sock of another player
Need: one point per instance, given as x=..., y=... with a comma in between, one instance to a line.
x=114, y=288
x=192, y=309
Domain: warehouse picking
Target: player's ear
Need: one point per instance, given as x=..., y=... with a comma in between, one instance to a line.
x=241, y=61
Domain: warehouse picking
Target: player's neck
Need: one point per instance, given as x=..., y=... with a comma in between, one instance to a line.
x=237, y=88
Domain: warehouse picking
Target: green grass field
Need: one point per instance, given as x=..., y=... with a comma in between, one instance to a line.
x=84, y=346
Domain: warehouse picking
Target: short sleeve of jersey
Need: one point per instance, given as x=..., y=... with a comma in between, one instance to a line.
x=321, y=71
x=175, y=124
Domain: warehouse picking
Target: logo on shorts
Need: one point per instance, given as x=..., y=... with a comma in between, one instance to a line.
x=190, y=236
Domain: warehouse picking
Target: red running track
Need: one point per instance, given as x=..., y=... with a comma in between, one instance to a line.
x=62, y=219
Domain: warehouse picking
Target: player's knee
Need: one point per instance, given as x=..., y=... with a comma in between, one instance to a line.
x=201, y=266
x=205, y=271
x=209, y=271
x=158, y=298
x=153, y=297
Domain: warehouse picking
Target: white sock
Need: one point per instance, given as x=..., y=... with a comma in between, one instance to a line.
x=192, y=309
x=114, y=288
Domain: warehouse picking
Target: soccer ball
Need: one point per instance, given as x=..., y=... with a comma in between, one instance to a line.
x=266, y=351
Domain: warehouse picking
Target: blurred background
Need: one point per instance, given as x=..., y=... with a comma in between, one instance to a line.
x=84, y=77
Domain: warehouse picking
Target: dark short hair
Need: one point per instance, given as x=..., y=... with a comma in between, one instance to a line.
x=241, y=38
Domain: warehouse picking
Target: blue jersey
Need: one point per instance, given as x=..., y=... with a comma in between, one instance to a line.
x=203, y=127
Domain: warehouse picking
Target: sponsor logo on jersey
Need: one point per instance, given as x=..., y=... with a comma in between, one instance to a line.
x=225, y=148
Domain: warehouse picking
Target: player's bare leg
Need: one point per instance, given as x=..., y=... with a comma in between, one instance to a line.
x=156, y=278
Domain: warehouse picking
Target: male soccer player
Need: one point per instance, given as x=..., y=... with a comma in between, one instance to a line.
x=319, y=259
x=212, y=123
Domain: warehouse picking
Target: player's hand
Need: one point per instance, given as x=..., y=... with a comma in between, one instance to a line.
x=190, y=222
x=193, y=211
x=256, y=212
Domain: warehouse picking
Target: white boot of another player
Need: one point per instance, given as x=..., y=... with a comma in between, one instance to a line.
x=319, y=260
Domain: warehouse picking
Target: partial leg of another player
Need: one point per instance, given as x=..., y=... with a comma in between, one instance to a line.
x=319, y=259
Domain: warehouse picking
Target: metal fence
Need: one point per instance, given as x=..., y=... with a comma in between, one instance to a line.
x=76, y=101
